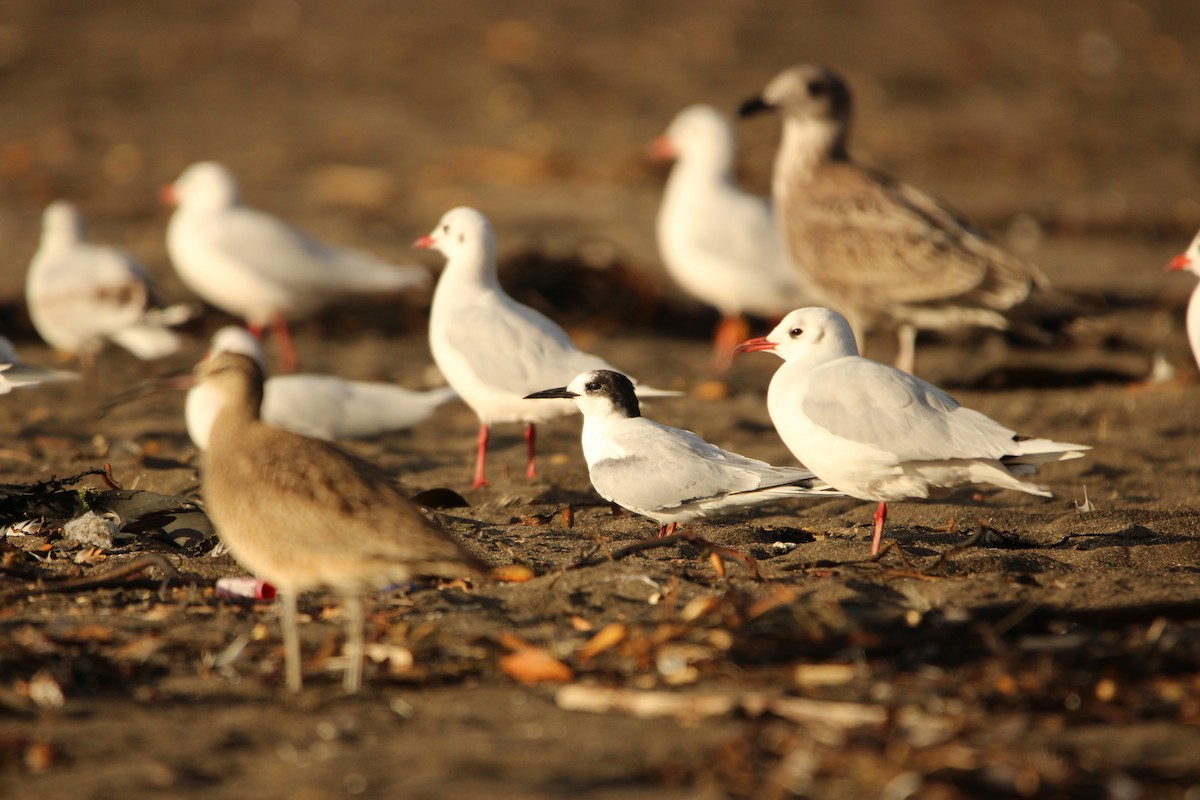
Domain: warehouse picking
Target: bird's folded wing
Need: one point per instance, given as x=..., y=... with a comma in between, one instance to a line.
x=875, y=405
x=517, y=351
x=873, y=235
x=678, y=467
x=322, y=490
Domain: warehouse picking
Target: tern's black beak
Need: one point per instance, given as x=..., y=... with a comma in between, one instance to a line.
x=755, y=105
x=560, y=392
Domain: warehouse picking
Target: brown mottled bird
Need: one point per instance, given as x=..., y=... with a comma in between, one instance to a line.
x=303, y=514
x=870, y=246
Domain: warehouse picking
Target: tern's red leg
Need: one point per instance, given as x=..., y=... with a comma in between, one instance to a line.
x=880, y=519
x=668, y=530
x=287, y=348
x=531, y=441
x=480, y=457
x=255, y=330
x=730, y=331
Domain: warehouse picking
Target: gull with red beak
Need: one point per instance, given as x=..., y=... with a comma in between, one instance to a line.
x=256, y=266
x=491, y=349
x=1189, y=260
x=718, y=242
x=880, y=434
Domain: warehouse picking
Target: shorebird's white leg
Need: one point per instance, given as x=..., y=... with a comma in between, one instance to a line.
x=355, y=649
x=291, y=640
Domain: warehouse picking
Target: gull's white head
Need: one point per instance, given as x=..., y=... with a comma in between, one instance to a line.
x=62, y=224
x=597, y=393
x=700, y=133
x=234, y=339
x=811, y=334
x=459, y=229
x=464, y=236
x=204, y=186
x=1187, y=260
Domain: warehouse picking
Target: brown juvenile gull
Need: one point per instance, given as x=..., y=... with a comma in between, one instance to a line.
x=875, y=248
x=303, y=514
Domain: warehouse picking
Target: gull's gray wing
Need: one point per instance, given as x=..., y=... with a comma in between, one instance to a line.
x=514, y=348
x=875, y=405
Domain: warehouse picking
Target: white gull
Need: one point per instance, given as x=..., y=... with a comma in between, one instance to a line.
x=258, y=267
x=81, y=296
x=492, y=349
x=880, y=434
x=320, y=406
x=718, y=242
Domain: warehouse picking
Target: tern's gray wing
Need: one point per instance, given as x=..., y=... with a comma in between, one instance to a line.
x=515, y=349
x=665, y=467
x=875, y=405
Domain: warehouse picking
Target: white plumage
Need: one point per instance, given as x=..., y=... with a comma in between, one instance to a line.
x=81, y=295
x=718, y=242
x=1189, y=260
x=668, y=474
x=258, y=267
x=14, y=374
x=320, y=406
x=877, y=433
x=492, y=349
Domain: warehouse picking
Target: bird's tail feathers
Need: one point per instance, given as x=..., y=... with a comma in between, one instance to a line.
x=359, y=272
x=171, y=315
x=148, y=341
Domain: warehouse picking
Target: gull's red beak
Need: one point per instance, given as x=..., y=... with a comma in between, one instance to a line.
x=424, y=242
x=167, y=195
x=661, y=149
x=754, y=345
x=1179, y=262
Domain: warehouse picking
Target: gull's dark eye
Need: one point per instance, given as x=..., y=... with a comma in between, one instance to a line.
x=795, y=332
x=592, y=386
x=446, y=228
x=817, y=88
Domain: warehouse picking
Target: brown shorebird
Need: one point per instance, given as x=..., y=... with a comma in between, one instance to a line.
x=875, y=248
x=303, y=514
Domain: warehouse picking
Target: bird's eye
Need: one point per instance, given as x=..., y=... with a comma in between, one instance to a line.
x=795, y=332
x=592, y=386
x=817, y=88
x=446, y=228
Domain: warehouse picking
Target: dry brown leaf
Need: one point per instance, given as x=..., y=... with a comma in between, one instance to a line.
x=812, y=675
x=92, y=633
x=779, y=598
x=717, y=564
x=532, y=665
x=141, y=649
x=580, y=624
x=608, y=637
x=512, y=573
x=699, y=607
